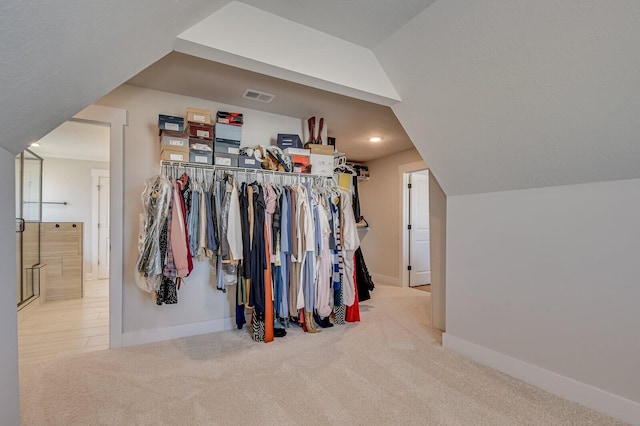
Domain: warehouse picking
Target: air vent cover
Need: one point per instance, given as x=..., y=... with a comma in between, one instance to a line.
x=259, y=96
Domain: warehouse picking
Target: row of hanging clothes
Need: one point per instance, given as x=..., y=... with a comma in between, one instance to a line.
x=286, y=242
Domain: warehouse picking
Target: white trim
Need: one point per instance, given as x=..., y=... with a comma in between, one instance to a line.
x=141, y=337
x=116, y=118
x=565, y=387
x=385, y=279
x=96, y=174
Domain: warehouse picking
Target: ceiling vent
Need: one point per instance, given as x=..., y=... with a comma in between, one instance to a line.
x=256, y=95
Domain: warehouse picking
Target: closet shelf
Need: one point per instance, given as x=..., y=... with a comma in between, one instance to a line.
x=165, y=163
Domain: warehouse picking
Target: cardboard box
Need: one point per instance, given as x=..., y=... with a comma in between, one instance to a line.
x=200, y=145
x=174, y=140
x=174, y=155
x=221, y=159
x=249, y=162
x=202, y=131
x=226, y=146
x=171, y=122
x=229, y=132
x=233, y=118
x=197, y=115
x=321, y=149
x=200, y=157
x=297, y=151
x=288, y=141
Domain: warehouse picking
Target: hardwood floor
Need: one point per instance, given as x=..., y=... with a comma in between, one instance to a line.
x=54, y=329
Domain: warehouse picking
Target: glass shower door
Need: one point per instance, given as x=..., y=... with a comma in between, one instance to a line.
x=28, y=218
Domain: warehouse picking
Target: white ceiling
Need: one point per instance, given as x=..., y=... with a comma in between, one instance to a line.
x=75, y=140
x=496, y=95
x=362, y=22
x=351, y=121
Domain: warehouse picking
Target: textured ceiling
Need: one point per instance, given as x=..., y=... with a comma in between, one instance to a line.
x=496, y=95
x=501, y=95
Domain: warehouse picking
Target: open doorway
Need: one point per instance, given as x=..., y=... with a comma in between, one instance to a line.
x=72, y=314
x=417, y=229
x=429, y=246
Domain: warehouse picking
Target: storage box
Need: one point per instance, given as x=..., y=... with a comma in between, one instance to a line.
x=226, y=146
x=233, y=118
x=301, y=164
x=202, y=131
x=229, y=132
x=197, y=115
x=322, y=165
x=174, y=155
x=200, y=157
x=170, y=122
x=288, y=141
x=297, y=151
x=174, y=140
x=200, y=145
x=249, y=162
x=321, y=149
x=221, y=159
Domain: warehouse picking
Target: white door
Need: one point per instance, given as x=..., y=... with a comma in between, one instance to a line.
x=419, y=256
x=103, y=227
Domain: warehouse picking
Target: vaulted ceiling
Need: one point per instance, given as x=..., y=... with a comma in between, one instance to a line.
x=496, y=95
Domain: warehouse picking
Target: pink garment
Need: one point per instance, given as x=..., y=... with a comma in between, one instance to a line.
x=178, y=236
x=270, y=198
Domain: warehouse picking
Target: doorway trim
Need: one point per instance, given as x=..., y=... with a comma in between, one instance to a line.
x=403, y=258
x=116, y=119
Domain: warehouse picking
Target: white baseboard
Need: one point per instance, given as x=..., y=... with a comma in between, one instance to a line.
x=175, y=332
x=565, y=387
x=385, y=279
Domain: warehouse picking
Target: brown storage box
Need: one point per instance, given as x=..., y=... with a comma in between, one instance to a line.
x=181, y=156
x=321, y=149
x=197, y=115
x=202, y=131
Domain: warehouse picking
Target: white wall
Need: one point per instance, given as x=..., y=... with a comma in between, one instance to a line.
x=9, y=393
x=70, y=180
x=198, y=300
x=438, y=252
x=381, y=205
x=550, y=277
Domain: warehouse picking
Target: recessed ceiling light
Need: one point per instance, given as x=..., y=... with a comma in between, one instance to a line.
x=35, y=144
x=375, y=139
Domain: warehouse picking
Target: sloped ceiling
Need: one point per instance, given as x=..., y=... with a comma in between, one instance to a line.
x=351, y=121
x=59, y=57
x=500, y=95
x=496, y=95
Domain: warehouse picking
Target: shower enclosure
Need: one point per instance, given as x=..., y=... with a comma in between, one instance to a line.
x=28, y=218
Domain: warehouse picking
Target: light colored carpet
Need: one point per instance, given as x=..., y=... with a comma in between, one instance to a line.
x=388, y=369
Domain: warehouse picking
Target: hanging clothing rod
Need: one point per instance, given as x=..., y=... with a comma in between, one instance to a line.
x=167, y=166
x=64, y=203
x=233, y=169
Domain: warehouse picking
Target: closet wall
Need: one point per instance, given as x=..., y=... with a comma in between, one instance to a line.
x=201, y=307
